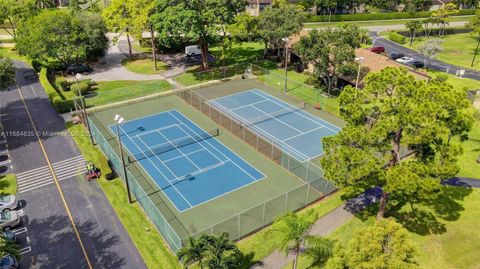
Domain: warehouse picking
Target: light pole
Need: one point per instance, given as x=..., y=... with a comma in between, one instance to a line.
x=359, y=60
x=285, y=39
x=84, y=111
x=118, y=121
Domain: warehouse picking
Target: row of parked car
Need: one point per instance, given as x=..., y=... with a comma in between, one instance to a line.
x=9, y=219
x=400, y=58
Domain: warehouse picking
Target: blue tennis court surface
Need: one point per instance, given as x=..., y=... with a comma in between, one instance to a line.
x=188, y=164
x=295, y=131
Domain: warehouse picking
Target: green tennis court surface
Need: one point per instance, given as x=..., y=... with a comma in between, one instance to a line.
x=238, y=212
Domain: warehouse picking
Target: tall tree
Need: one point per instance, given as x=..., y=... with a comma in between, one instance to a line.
x=142, y=11
x=119, y=18
x=245, y=27
x=280, y=22
x=328, y=50
x=221, y=253
x=193, y=252
x=384, y=245
x=7, y=73
x=194, y=20
x=327, y=5
x=413, y=28
x=430, y=50
x=319, y=250
x=62, y=35
x=12, y=12
x=475, y=25
x=292, y=230
x=443, y=15
x=393, y=112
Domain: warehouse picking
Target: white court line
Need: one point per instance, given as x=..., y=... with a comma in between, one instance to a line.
x=279, y=102
x=166, y=178
x=276, y=118
x=260, y=130
x=155, y=130
x=181, y=152
x=256, y=103
x=218, y=149
x=203, y=170
x=318, y=128
x=178, y=157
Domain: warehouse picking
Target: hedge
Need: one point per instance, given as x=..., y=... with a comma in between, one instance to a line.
x=381, y=16
x=436, y=31
x=397, y=38
x=60, y=104
x=82, y=85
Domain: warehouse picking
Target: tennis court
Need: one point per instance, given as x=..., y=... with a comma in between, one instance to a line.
x=295, y=131
x=189, y=165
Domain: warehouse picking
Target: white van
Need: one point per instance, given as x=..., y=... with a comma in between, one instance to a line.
x=193, y=50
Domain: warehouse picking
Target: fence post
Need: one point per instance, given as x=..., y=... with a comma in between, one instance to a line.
x=263, y=216
x=308, y=193
x=286, y=202
x=238, y=227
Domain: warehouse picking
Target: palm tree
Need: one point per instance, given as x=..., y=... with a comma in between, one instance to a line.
x=193, y=252
x=293, y=229
x=319, y=249
x=221, y=253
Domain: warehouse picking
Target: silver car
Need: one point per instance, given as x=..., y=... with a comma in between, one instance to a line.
x=7, y=202
x=9, y=219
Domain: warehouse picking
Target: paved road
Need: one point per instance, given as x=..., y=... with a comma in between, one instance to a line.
x=391, y=47
x=46, y=228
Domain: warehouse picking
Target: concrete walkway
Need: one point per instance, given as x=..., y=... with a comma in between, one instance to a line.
x=324, y=226
x=111, y=68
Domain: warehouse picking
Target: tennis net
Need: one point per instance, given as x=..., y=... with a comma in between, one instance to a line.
x=171, y=145
x=276, y=114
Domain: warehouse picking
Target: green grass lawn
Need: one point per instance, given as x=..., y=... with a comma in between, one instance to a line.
x=8, y=184
x=138, y=48
x=148, y=241
x=12, y=54
x=3, y=32
x=454, y=245
x=377, y=22
x=106, y=92
x=264, y=242
x=458, y=49
x=144, y=66
x=239, y=53
x=459, y=83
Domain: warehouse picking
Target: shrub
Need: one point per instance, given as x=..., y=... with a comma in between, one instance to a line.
x=63, y=84
x=60, y=104
x=397, y=38
x=7, y=73
x=82, y=85
x=381, y=16
x=441, y=77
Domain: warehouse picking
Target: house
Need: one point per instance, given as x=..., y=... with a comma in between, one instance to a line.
x=437, y=4
x=254, y=7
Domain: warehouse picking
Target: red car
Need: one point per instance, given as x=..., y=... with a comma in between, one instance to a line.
x=378, y=49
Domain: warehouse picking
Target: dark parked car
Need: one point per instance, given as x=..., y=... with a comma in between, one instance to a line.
x=378, y=49
x=395, y=56
x=416, y=64
x=78, y=68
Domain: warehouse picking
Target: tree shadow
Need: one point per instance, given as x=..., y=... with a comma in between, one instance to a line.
x=55, y=236
x=427, y=219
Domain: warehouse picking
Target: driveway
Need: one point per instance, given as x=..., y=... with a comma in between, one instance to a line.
x=50, y=211
x=110, y=67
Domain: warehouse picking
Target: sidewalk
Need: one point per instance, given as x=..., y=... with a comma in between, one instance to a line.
x=324, y=226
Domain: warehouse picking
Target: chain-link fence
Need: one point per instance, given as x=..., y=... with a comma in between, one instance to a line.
x=149, y=207
x=244, y=223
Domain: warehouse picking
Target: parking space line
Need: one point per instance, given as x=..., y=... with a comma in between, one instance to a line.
x=20, y=231
x=25, y=250
x=72, y=222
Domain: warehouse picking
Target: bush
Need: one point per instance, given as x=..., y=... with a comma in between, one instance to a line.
x=7, y=73
x=397, y=38
x=63, y=84
x=441, y=78
x=60, y=104
x=381, y=16
x=83, y=86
